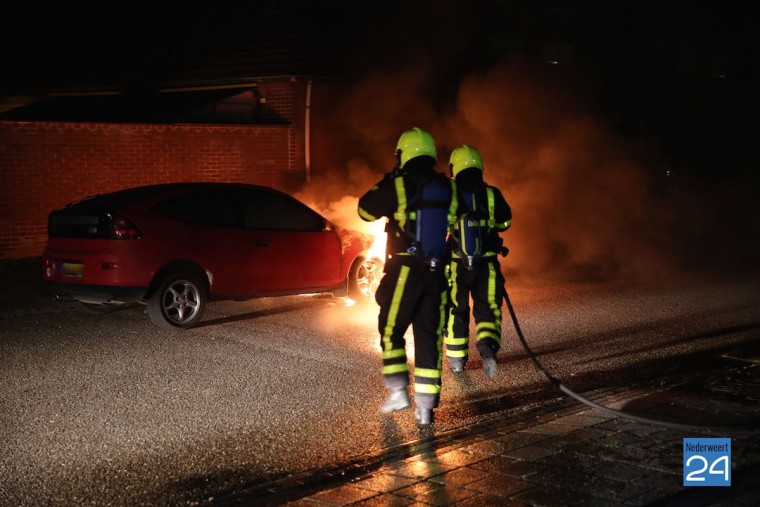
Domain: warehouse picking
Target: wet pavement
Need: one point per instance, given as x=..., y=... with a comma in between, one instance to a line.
x=561, y=452
x=108, y=410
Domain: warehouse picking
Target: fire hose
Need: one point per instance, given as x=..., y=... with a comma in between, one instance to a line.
x=573, y=394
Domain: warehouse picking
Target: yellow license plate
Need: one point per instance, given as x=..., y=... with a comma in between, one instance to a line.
x=72, y=269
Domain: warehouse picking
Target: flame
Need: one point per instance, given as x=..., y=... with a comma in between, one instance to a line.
x=377, y=230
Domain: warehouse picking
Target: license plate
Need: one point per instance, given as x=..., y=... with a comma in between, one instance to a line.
x=72, y=269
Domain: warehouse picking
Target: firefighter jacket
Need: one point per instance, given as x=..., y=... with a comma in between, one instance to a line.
x=490, y=201
x=396, y=197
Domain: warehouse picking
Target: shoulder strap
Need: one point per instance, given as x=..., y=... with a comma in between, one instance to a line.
x=400, y=214
x=454, y=205
x=491, y=220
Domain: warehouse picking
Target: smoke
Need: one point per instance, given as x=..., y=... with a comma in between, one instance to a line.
x=370, y=118
x=581, y=208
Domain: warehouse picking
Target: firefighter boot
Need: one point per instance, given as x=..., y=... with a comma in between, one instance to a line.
x=488, y=354
x=490, y=366
x=424, y=416
x=456, y=365
x=398, y=399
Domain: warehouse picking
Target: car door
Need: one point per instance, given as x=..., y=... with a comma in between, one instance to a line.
x=213, y=236
x=296, y=250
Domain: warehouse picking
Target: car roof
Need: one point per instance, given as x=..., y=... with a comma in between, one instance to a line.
x=127, y=196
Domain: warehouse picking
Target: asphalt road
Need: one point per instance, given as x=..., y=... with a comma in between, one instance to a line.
x=110, y=410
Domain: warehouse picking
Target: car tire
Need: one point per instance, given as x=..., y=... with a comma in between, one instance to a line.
x=178, y=302
x=363, y=278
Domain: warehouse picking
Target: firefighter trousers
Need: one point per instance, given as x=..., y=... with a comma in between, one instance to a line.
x=411, y=294
x=485, y=284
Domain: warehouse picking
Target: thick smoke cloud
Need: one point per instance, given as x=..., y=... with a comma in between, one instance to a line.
x=582, y=208
x=588, y=203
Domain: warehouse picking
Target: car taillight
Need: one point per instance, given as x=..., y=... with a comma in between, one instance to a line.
x=121, y=228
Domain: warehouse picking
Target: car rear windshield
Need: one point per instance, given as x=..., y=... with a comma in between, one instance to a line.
x=118, y=199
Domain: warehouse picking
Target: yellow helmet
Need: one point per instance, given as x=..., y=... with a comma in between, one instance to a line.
x=415, y=143
x=464, y=157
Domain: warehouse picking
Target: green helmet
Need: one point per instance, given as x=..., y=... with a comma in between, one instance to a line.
x=463, y=158
x=415, y=143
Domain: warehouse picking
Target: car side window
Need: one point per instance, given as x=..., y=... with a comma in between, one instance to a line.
x=204, y=207
x=270, y=210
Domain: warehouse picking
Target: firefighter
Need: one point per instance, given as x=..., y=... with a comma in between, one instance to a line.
x=475, y=268
x=414, y=288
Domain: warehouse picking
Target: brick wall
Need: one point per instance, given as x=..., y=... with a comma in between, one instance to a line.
x=43, y=166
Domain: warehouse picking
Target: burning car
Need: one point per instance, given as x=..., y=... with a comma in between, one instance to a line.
x=175, y=247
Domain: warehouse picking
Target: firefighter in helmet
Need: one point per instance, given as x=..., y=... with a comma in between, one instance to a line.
x=414, y=289
x=475, y=269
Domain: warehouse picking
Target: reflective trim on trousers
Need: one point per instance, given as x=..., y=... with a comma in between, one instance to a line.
x=398, y=292
x=457, y=347
x=390, y=369
x=442, y=316
x=489, y=330
x=394, y=360
x=427, y=381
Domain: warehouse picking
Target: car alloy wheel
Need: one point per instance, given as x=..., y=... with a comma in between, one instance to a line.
x=178, y=302
x=364, y=278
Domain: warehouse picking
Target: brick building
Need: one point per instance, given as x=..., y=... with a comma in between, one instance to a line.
x=105, y=98
x=265, y=133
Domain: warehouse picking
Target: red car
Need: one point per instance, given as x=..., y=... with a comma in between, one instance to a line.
x=174, y=247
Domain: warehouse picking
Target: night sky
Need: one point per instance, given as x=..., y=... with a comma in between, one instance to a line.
x=681, y=75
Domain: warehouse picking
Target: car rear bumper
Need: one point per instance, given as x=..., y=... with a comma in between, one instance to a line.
x=98, y=293
x=95, y=268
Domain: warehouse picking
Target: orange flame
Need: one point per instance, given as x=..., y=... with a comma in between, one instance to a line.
x=377, y=230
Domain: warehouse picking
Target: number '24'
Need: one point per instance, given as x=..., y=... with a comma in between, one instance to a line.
x=714, y=470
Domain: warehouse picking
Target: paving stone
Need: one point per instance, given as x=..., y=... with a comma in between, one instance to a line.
x=592, y=485
x=457, y=458
x=658, y=479
x=624, y=472
x=625, y=438
x=579, y=420
x=419, y=489
x=571, y=460
x=483, y=500
x=342, y=495
x=384, y=483
x=548, y=496
x=419, y=469
x=642, y=430
x=499, y=486
x=447, y=495
x=592, y=433
x=624, y=454
x=493, y=464
x=387, y=500
x=614, y=425
x=531, y=453
x=596, y=414
x=503, y=465
x=649, y=497
x=521, y=439
x=493, y=447
x=301, y=502
x=566, y=443
x=460, y=476
x=552, y=428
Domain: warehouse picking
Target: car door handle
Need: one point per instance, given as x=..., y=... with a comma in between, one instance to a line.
x=261, y=242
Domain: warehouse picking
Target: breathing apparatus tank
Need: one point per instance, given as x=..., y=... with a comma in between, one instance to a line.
x=432, y=224
x=470, y=238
